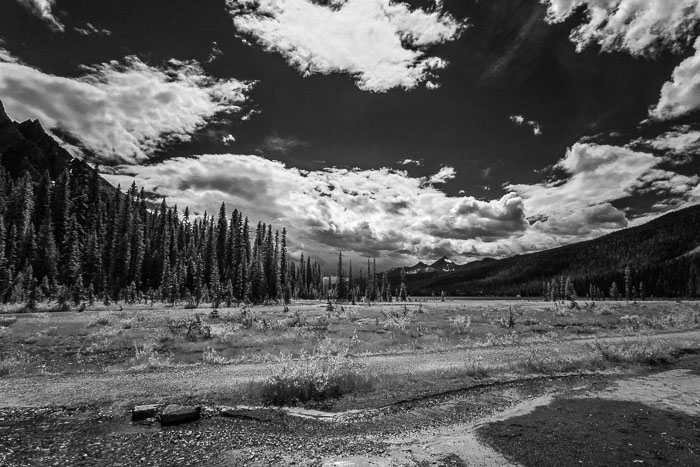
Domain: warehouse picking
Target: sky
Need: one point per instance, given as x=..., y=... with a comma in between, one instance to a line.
x=404, y=131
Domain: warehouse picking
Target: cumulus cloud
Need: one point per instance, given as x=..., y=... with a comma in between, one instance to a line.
x=643, y=28
x=380, y=212
x=596, y=176
x=44, y=10
x=681, y=95
x=382, y=43
x=444, y=174
x=122, y=111
x=640, y=27
x=6, y=56
x=391, y=215
x=679, y=144
x=583, y=221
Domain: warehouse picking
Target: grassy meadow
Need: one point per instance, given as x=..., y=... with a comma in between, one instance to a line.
x=317, y=347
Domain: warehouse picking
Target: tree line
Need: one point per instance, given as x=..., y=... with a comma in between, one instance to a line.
x=71, y=239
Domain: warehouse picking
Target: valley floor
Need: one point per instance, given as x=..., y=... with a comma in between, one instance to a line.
x=494, y=402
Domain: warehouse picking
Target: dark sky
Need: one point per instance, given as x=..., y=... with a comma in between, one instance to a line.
x=512, y=69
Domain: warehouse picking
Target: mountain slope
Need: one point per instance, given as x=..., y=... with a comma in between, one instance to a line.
x=658, y=253
x=26, y=148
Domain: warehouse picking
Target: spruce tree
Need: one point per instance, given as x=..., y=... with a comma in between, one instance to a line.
x=283, y=269
x=628, y=283
x=403, y=292
x=221, y=234
x=340, y=284
x=351, y=285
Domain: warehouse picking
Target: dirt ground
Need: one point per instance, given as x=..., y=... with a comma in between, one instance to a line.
x=432, y=411
x=648, y=415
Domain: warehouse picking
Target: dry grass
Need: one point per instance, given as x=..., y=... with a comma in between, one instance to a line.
x=643, y=351
x=261, y=333
x=317, y=378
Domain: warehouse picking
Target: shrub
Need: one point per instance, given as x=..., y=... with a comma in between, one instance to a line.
x=507, y=322
x=99, y=321
x=145, y=357
x=645, y=351
x=211, y=357
x=8, y=365
x=398, y=320
x=462, y=323
x=7, y=321
x=314, y=379
x=191, y=329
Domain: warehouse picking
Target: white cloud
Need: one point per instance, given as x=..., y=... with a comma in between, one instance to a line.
x=44, y=10
x=415, y=162
x=90, y=29
x=444, y=174
x=122, y=111
x=597, y=176
x=381, y=212
x=281, y=144
x=228, y=139
x=681, y=95
x=643, y=28
x=679, y=144
x=583, y=221
x=519, y=120
x=380, y=42
x=640, y=27
x=7, y=57
x=388, y=214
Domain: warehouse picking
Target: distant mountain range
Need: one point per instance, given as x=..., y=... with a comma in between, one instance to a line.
x=664, y=254
x=444, y=264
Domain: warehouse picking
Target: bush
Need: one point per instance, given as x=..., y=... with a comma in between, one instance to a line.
x=191, y=329
x=462, y=323
x=146, y=357
x=100, y=321
x=211, y=357
x=314, y=379
x=7, y=321
x=551, y=360
x=645, y=351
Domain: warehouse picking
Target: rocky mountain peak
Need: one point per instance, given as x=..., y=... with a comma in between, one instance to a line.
x=4, y=118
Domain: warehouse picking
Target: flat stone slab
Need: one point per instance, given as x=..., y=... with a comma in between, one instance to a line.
x=142, y=412
x=174, y=414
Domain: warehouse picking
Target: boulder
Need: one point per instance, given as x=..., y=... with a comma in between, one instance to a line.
x=174, y=414
x=142, y=412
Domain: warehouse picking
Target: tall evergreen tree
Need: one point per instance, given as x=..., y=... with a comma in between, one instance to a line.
x=340, y=284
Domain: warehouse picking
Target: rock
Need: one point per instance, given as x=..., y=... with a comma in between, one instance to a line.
x=174, y=414
x=142, y=412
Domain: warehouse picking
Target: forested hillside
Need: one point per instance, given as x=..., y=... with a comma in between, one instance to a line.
x=67, y=234
x=660, y=254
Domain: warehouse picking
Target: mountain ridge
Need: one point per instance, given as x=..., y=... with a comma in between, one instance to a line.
x=662, y=253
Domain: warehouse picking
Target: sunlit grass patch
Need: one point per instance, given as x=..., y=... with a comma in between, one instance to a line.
x=645, y=351
x=314, y=379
